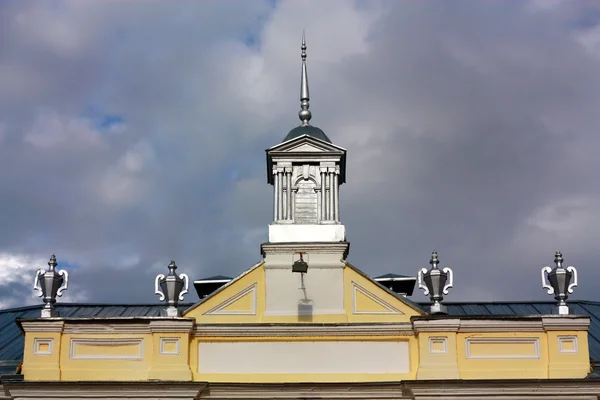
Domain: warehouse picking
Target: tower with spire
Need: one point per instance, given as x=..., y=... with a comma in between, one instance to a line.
x=306, y=171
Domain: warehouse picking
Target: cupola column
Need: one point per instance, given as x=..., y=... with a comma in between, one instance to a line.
x=275, y=196
x=323, y=196
x=336, y=196
x=330, y=194
x=289, y=200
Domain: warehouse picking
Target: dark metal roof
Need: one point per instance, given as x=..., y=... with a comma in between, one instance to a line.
x=11, y=339
x=307, y=130
x=217, y=278
x=393, y=276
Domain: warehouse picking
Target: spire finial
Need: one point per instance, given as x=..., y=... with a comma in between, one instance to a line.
x=304, y=114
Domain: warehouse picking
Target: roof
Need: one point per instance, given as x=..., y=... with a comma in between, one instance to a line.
x=11, y=339
x=215, y=278
x=307, y=130
x=394, y=276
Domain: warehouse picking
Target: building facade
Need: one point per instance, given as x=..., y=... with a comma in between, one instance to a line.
x=303, y=323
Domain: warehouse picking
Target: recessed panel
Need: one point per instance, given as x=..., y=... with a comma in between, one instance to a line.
x=303, y=357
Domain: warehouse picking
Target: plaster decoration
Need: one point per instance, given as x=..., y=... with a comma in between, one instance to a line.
x=378, y=306
x=169, y=346
x=438, y=345
x=42, y=346
x=567, y=344
x=243, y=303
x=287, y=330
x=501, y=348
x=310, y=357
x=99, y=349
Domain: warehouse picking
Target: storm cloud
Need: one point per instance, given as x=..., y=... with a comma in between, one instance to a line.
x=133, y=133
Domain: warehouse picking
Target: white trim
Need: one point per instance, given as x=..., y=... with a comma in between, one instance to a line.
x=169, y=340
x=218, y=310
x=43, y=326
x=107, y=327
x=534, y=341
x=562, y=339
x=356, y=287
x=438, y=339
x=106, y=342
x=213, y=281
x=406, y=278
x=172, y=326
x=289, y=330
x=36, y=346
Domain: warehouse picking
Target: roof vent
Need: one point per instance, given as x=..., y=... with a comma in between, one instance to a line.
x=204, y=287
x=401, y=284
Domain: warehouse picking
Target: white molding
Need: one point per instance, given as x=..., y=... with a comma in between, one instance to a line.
x=107, y=327
x=495, y=324
x=500, y=325
x=164, y=340
x=172, y=326
x=534, y=341
x=43, y=326
x=300, y=330
x=218, y=310
x=356, y=287
x=36, y=346
x=564, y=323
x=443, y=340
x=562, y=339
x=312, y=248
x=437, y=325
x=106, y=342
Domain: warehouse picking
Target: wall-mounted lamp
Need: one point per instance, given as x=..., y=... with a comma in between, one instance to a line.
x=300, y=266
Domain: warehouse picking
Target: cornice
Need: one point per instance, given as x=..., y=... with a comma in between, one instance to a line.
x=500, y=324
x=317, y=248
x=172, y=326
x=436, y=325
x=47, y=325
x=241, y=330
x=107, y=327
x=105, y=390
x=560, y=323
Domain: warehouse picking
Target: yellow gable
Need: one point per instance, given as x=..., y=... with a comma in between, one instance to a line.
x=240, y=301
x=367, y=301
x=243, y=300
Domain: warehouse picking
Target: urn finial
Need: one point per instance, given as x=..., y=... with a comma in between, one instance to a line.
x=436, y=283
x=171, y=288
x=560, y=284
x=50, y=284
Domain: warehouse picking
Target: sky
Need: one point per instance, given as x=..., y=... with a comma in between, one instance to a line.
x=132, y=132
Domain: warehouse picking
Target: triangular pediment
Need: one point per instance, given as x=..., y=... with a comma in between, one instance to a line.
x=368, y=301
x=239, y=301
x=306, y=143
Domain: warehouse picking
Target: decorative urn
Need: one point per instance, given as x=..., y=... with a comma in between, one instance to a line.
x=435, y=282
x=50, y=283
x=171, y=289
x=560, y=285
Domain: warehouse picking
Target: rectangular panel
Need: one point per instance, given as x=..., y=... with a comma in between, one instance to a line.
x=106, y=349
x=503, y=348
x=304, y=357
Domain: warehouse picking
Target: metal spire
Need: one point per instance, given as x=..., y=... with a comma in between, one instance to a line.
x=304, y=114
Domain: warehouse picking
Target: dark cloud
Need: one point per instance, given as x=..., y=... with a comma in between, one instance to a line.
x=470, y=130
